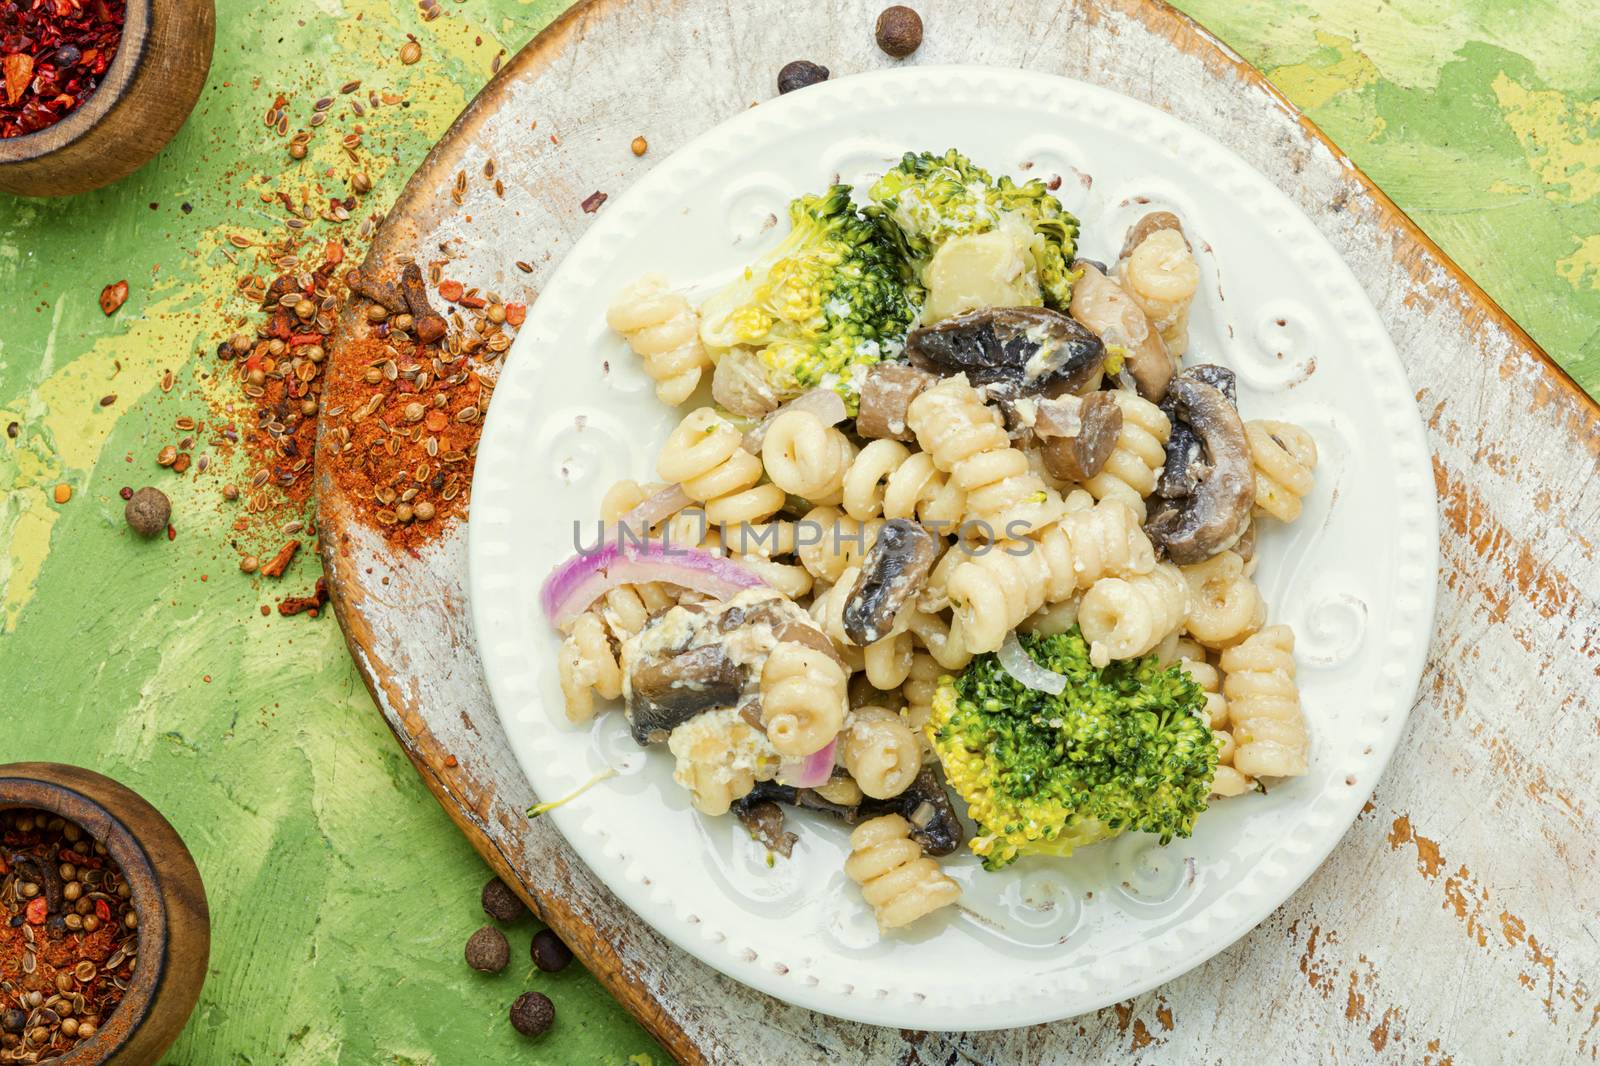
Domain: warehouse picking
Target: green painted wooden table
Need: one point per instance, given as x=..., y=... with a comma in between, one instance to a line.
x=341, y=895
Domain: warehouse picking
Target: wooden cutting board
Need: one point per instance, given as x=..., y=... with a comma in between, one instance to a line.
x=1453, y=912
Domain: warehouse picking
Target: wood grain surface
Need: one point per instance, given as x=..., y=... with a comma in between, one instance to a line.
x=1456, y=915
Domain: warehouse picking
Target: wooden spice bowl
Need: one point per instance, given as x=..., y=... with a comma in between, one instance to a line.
x=167, y=895
x=144, y=97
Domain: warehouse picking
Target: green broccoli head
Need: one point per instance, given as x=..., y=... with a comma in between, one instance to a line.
x=837, y=295
x=1124, y=747
x=932, y=198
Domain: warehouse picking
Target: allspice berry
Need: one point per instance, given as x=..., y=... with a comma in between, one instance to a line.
x=899, y=31
x=799, y=74
x=533, y=1014
x=488, y=951
x=500, y=903
x=148, y=512
x=549, y=953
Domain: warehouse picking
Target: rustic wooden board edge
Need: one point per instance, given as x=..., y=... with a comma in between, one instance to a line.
x=422, y=205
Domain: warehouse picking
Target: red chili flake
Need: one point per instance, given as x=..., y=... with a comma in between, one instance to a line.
x=474, y=302
x=102, y=910
x=19, y=72
x=126, y=492
x=516, y=314
x=68, y=855
x=333, y=253
x=172, y=534
x=436, y=420
x=451, y=761
x=113, y=296
x=36, y=911
x=592, y=204
x=451, y=290
x=305, y=338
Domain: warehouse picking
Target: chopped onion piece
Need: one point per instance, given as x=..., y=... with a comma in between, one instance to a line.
x=648, y=513
x=1020, y=665
x=826, y=404
x=813, y=770
x=573, y=586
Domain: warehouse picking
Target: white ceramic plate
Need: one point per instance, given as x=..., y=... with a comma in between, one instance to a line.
x=1044, y=939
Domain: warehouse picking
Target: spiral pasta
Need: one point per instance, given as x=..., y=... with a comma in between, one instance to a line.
x=1228, y=781
x=664, y=331
x=1161, y=275
x=1224, y=605
x=891, y=480
x=720, y=757
x=830, y=542
x=705, y=453
x=1124, y=618
x=967, y=439
x=588, y=664
x=942, y=639
x=898, y=882
x=1284, y=455
x=1269, y=725
x=996, y=591
x=880, y=751
x=918, y=689
x=803, y=698
x=1140, y=452
x=806, y=458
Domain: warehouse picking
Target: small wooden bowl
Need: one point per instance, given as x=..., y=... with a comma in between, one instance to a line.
x=146, y=94
x=168, y=896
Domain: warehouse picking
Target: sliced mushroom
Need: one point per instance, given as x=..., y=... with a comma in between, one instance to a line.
x=764, y=820
x=664, y=692
x=1184, y=454
x=810, y=636
x=1081, y=454
x=892, y=574
x=1100, y=304
x=1155, y=220
x=926, y=805
x=1030, y=351
x=1212, y=514
x=886, y=393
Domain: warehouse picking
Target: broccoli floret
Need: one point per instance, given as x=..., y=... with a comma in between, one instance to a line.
x=932, y=198
x=838, y=294
x=1124, y=747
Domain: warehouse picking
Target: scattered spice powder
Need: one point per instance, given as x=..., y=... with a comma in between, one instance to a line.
x=52, y=57
x=69, y=939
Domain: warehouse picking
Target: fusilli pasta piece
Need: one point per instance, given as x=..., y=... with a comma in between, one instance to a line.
x=1284, y=455
x=891, y=480
x=1124, y=618
x=803, y=698
x=1140, y=453
x=720, y=757
x=830, y=542
x=880, y=751
x=1269, y=725
x=805, y=458
x=967, y=439
x=898, y=882
x=997, y=590
x=1161, y=275
x=921, y=683
x=1224, y=605
x=1228, y=781
x=942, y=639
x=664, y=331
x=588, y=663
x=705, y=454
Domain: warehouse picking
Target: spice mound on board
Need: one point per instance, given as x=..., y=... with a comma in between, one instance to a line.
x=404, y=402
x=69, y=936
x=52, y=58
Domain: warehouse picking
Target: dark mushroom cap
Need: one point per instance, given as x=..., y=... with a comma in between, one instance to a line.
x=1082, y=453
x=666, y=691
x=893, y=572
x=1033, y=351
x=925, y=804
x=1217, y=486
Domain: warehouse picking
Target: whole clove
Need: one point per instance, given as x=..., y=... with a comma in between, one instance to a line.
x=427, y=324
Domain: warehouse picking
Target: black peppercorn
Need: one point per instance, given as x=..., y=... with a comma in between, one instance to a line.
x=549, y=953
x=799, y=74
x=533, y=1014
x=12, y=1020
x=500, y=903
x=148, y=512
x=487, y=950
